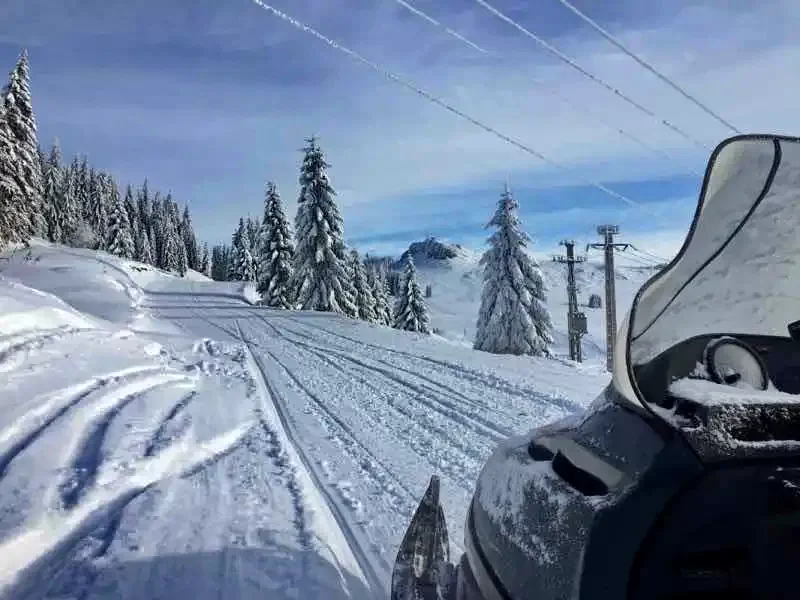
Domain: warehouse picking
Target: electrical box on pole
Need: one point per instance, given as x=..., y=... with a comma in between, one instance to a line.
x=608, y=246
x=576, y=320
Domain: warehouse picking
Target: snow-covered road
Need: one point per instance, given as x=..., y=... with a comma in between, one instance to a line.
x=243, y=452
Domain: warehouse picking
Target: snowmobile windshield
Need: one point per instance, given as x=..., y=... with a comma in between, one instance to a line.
x=738, y=272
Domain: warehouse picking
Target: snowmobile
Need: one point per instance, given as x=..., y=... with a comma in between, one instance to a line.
x=681, y=480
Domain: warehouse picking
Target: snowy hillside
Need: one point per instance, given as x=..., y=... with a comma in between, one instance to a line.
x=161, y=437
x=457, y=281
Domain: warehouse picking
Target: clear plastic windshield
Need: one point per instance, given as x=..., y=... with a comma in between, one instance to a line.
x=739, y=273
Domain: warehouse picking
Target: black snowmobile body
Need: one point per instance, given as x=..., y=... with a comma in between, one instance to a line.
x=682, y=479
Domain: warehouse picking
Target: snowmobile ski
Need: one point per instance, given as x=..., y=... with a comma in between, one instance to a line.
x=422, y=570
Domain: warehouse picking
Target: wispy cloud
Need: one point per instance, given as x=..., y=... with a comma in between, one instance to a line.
x=210, y=99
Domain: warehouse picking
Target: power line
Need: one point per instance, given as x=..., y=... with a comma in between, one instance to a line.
x=430, y=97
x=645, y=252
x=647, y=65
x=433, y=21
x=563, y=57
x=563, y=97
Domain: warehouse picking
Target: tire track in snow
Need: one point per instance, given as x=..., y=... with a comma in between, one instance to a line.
x=36, y=557
x=282, y=462
x=432, y=427
x=476, y=423
x=374, y=581
x=87, y=453
x=161, y=437
x=14, y=348
x=15, y=438
x=452, y=469
x=456, y=394
x=485, y=379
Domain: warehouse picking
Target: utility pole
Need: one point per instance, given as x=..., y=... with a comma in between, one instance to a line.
x=576, y=320
x=608, y=246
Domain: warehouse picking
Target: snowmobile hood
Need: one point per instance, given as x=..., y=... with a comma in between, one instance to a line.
x=737, y=273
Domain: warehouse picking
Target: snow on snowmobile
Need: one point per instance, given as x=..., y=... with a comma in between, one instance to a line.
x=682, y=479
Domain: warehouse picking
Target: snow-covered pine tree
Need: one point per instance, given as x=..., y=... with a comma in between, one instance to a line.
x=157, y=223
x=410, y=312
x=513, y=317
x=42, y=156
x=171, y=243
x=190, y=240
x=233, y=257
x=205, y=261
x=144, y=209
x=144, y=252
x=14, y=219
x=98, y=208
x=120, y=239
x=364, y=300
x=69, y=207
x=18, y=109
x=321, y=281
x=380, y=291
x=173, y=229
x=276, y=252
x=132, y=208
x=52, y=202
x=244, y=266
x=219, y=263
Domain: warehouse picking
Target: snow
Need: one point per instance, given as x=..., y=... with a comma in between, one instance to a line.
x=162, y=437
x=710, y=393
x=458, y=283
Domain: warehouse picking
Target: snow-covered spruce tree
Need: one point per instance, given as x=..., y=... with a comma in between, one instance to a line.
x=98, y=208
x=205, y=261
x=189, y=240
x=52, y=203
x=173, y=256
x=321, y=282
x=14, y=219
x=171, y=208
x=144, y=208
x=70, y=212
x=18, y=109
x=120, y=238
x=410, y=313
x=157, y=224
x=364, y=300
x=380, y=291
x=132, y=209
x=513, y=317
x=276, y=252
x=144, y=252
x=244, y=264
x=219, y=262
x=233, y=257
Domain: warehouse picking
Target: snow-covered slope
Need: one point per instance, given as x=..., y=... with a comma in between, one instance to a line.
x=226, y=449
x=457, y=284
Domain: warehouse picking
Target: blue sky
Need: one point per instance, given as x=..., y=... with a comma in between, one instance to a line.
x=210, y=99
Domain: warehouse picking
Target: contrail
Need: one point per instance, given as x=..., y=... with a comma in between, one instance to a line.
x=430, y=97
x=564, y=98
x=647, y=65
x=563, y=57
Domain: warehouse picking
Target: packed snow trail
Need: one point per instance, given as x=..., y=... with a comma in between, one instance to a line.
x=374, y=412
x=169, y=439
